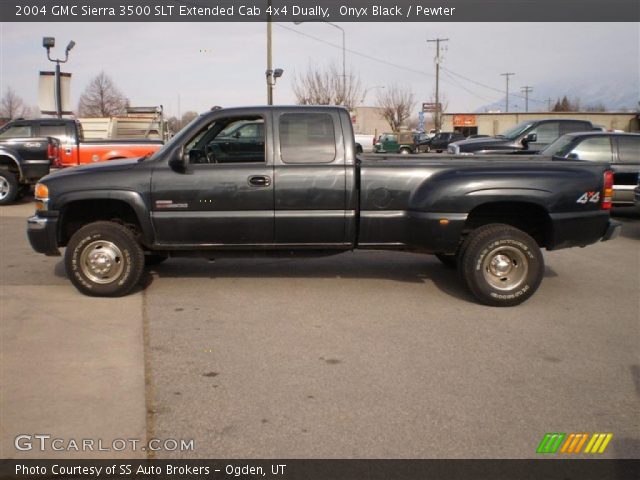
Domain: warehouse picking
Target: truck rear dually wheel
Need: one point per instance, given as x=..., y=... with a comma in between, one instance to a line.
x=501, y=265
x=8, y=187
x=104, y=259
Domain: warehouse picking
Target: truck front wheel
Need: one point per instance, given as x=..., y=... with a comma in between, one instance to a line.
x=8, y=187
x=103, y=259
x=502, y=266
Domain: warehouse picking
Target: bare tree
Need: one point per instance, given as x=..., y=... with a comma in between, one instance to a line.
x=396, y=104
x=326, y=86
x=12, y=106
x=102, y=98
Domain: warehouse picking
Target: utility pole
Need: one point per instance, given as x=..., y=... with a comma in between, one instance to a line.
x=507, y=75
x=526, y=90
x=549, y=104
x=437, y=116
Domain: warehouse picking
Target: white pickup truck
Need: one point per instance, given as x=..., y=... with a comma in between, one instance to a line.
x=364, y=142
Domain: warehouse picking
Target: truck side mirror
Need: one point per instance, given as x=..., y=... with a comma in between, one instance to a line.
x=531, y=138
x=180, y=161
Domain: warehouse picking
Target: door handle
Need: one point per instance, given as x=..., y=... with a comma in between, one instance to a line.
x=259, y=181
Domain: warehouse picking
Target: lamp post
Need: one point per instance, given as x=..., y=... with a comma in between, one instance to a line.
x=49, y=43
x=344, y=57
x=271, y=74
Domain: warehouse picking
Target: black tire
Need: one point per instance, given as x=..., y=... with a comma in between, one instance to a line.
x=23, y=191
x=449, y=260
x=111, y=246
x=151, y=259
x=502, y=266
x=8, y=187
x=427, y=149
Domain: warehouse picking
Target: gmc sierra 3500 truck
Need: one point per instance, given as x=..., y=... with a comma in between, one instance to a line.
x=299, y=186
x=24, y=161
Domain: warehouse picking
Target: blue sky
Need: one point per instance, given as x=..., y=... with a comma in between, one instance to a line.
x=205, y=64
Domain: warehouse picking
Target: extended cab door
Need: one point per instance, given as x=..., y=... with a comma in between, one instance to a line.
x=226, y=195
x=311, y=178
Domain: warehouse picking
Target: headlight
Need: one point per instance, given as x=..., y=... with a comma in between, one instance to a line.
x=41, y=195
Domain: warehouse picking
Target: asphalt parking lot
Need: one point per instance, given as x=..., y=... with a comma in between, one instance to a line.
x=360, y=355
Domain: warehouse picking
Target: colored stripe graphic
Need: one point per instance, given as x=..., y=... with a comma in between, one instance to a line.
x=598, y=443
x=574, y=443
x=550, y=442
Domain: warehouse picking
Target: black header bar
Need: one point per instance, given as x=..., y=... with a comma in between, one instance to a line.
x=549, y=469
x=320, y=10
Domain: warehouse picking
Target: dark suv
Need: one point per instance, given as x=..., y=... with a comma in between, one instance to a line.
x=438, y=143
x=530, y=136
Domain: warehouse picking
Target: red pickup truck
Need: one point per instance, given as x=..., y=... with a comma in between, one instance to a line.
x=74, y=150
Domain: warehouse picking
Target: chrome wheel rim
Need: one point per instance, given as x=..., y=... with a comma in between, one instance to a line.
x=505, y=268
x=4, y=188
x=102, y=262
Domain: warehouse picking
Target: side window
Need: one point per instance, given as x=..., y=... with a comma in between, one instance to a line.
x=629, y=149
x=307, y=138
x=595, y=149
x=568, y=127
x=56, y=131
x=229, y=140
x=547, y=132
x=16, y=131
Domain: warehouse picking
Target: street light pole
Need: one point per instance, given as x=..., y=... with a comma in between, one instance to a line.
x=269, y=59
x=49, y=43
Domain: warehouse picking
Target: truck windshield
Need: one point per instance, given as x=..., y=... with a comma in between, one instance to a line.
x=516, y=131
x=560, y=147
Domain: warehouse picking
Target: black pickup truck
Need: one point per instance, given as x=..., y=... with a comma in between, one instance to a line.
x=529, y=136
x=24, y=161
x=300, y=187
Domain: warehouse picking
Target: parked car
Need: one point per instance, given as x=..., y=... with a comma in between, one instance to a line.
x=621, y=150
x=530, y=136
x=307, y=193
x=24, y=161
x=74, y=150
x=439, y=143
x=401, y=142
x=365, y=143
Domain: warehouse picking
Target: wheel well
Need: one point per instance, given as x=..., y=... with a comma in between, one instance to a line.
x=77, y=214
x=528, y=217
x=10, y=164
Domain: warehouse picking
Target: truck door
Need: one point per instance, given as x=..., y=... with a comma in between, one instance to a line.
x=310, y=178
x=224, y=198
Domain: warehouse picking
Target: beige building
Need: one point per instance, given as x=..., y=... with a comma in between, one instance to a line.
x=495, y=123
x=368, y=120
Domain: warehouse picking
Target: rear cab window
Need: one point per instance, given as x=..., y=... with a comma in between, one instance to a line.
x=307, y=138
x=629, y=149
